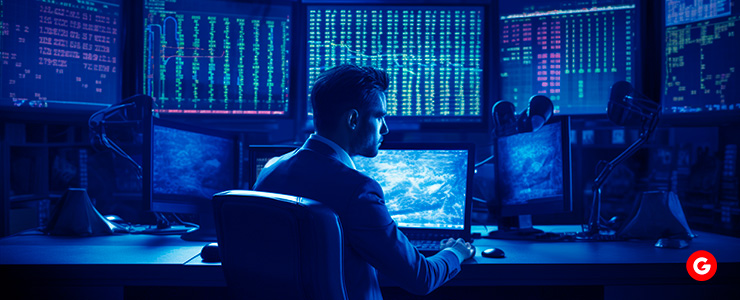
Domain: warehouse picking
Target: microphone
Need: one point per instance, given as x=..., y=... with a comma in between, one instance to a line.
x=629, y=107
x=506, y=122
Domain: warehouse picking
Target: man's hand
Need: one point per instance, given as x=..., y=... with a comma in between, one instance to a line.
x=460, y=246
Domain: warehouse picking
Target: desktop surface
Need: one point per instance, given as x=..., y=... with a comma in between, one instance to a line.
x=137, y=263
x=171, y=250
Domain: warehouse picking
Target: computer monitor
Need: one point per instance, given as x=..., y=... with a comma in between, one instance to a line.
x=220, y=57
x=60, y=56
x=569, y=51
x=533, y=176
x=425, y=186
x=259, y=155
x=701, y=66
x=184, y=166
x=435, y=56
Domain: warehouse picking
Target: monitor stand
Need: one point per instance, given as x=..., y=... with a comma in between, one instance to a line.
x=164, y=227
x=515, y=228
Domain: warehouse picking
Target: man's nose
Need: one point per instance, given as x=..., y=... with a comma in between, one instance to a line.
x=384, y=128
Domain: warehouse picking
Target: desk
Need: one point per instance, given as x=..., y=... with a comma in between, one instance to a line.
x=114, y=266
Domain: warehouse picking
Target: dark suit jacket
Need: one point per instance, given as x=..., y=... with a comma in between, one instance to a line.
x=372, y=239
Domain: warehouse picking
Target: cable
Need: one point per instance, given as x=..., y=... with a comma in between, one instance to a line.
x=185, y=223
x=484, y=161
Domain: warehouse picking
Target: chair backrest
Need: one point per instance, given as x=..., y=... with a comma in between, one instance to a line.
x=275, y=246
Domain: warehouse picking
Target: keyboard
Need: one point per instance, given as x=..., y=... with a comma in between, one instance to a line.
x=426, y=246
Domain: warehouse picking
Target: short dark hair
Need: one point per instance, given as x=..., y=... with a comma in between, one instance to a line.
x=342, y=88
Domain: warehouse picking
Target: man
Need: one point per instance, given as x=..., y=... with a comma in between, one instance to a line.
x=349, y=116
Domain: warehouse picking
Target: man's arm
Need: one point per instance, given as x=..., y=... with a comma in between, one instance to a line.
x=376, y=237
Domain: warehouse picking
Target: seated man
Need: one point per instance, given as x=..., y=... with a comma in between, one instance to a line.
x=349, y=105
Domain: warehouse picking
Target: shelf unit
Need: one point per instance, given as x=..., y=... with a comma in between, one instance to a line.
x=39, y=162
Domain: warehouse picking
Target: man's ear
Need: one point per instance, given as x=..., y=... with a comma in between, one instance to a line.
x=352, y=118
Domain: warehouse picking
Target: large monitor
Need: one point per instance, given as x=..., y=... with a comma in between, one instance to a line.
x=533, y=176
x=184, y=166
x=569, y=51
x=701, y=71
x=220, y=57
x=434, y=55
x=426, y=186
x=60, y=56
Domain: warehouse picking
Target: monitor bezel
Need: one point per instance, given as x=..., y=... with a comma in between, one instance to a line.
x=464, y=233
x=415, y=123
x=177, y=203
x=566, y=205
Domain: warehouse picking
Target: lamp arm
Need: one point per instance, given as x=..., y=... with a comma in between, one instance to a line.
x=604, y=174
x=595, y=217
x=647, y=131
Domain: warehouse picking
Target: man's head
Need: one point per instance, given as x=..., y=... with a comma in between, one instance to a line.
x=349, y=107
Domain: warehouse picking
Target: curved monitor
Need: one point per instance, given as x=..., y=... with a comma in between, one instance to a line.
x=434, y=55
x=60, y=56
x=701, y=71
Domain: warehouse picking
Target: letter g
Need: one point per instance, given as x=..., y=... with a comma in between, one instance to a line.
x=704, y=268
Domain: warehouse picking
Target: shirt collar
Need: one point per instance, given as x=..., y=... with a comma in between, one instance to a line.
x=341, y=154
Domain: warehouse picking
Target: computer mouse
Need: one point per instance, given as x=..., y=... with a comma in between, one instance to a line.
x=493, y=253
x=209, y=253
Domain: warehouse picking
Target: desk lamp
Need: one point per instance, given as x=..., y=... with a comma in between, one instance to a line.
x=627, y=107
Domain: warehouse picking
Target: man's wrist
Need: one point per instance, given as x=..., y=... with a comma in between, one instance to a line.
x=460, y=256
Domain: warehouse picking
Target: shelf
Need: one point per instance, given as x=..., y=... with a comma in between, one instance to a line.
x=33, y=197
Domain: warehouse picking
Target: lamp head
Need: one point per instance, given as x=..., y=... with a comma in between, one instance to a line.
x=629, y=107
x=506, y=122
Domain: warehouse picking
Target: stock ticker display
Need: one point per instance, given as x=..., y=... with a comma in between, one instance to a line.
x=433, y=55
x=219, y=57
x=422, y=188
x=568, y=51
x=701, y=64
x=60, y=53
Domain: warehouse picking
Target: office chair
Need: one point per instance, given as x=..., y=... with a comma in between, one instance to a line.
x=275, y=246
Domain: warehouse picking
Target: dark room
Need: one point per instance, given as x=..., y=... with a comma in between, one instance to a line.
x=370, y=149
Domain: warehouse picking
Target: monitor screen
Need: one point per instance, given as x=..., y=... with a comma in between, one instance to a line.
x=188, y=165
x=571, y=52
x=60, y=54
x=222, y=57
x=259, y=155
x=533, y=170
x=424, y=186
x=434, y=55
x=700, y=73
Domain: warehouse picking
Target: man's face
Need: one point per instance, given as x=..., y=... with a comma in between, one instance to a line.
x=370, y=130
